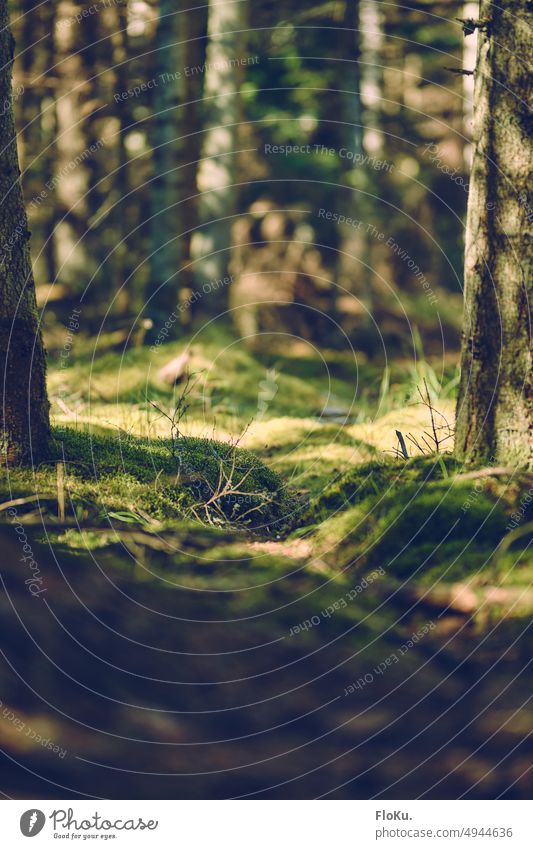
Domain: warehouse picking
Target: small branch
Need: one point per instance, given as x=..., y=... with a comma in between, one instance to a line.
x=489, y=471
x=459, y=71
x=433, y=428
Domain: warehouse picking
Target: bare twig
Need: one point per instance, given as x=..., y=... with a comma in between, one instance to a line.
x=179, y=412
x=226, y=488
x=60, y=491
x=489, y=471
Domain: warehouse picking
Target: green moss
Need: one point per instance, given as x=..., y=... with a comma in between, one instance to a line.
x=231, y=378
x=427, y=530
x=140, y=479
x=376, y=478
x=431, y=530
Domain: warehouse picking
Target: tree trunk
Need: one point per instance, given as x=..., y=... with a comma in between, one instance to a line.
x=69, y=180
x=194, y=24
x=100, y=144
x=177, y=98
x=25, y=422
x=37, y=128
x=211, y=243
x=346, y=129
x=495, y=404
x=49, y=135
x=124, y=258
x=165, y=249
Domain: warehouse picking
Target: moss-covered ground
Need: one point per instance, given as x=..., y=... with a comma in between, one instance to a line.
x=283, y=446
x=278, y=550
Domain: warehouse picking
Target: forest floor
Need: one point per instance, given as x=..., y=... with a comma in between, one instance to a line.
x=313, y=612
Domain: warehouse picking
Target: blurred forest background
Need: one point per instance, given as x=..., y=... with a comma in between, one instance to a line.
x=148, y=149
x=255, y=566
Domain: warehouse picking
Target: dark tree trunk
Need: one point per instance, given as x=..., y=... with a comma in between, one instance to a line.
x=165, y=247
x=194, y=33
x=49, y=134
x=38, y=127
x=25, y=420
x=93, y=95
x=125, y=255
x=495, y=405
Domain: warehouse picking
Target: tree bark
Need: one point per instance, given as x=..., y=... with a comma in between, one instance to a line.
x=346, y=129
x=69, y=181
x=194, y=24
x=124, y=258
x=25, y=408
x=165, y=229
x=495, y=404
x=211, y=243
x=37, y=126
x=49, y=135
x=177, y=97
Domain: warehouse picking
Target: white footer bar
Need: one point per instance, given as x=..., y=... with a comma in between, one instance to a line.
x=268, y=824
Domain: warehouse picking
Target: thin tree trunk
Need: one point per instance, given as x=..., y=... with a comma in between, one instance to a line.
x=495, y=405
x=37, y=127
x=125, y=256
x=49, y=135
x=69, y=184
x=162, y=291
x=194, y=24
x=95, y=93
x=25, y=421
x=211, y=244
x=345, y=109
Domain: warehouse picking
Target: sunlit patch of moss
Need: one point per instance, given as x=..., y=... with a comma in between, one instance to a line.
x=307, y=452
x=332, y=532
x=413, y=419
x=287, y=427
x=364, y=508
x=427, y=533
x=229, y=379
x=312, y=468
x=230, y=384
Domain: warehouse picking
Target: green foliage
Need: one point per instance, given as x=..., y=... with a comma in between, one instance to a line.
x=420, y=524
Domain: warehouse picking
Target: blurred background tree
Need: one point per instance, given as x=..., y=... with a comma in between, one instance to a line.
x=148, y=171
